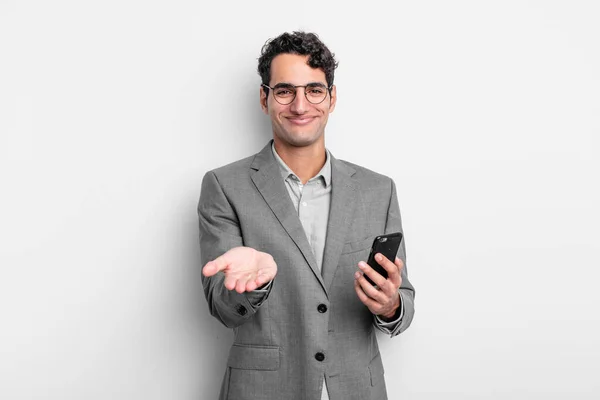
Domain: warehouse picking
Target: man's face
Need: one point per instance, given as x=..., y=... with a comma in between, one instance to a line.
x=299, y=123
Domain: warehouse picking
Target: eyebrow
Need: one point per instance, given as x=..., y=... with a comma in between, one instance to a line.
x=287, y=84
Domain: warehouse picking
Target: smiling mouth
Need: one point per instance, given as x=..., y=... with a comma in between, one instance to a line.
x=301, y=120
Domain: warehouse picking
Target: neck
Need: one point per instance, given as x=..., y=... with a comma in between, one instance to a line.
x=305, y=162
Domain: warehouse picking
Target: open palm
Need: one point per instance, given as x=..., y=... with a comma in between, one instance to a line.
x=245, y=268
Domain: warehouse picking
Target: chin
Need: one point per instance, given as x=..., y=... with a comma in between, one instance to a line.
x=300, y=140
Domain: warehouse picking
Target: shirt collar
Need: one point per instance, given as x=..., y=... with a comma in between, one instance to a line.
x=325, y=172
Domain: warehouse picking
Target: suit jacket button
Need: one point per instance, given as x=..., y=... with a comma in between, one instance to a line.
x=241, y=310
x=319, y=356
x=322, y=308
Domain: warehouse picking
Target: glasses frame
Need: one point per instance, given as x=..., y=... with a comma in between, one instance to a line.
x=296, y=92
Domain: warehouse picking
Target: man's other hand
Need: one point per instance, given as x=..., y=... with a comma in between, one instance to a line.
x=245, y=268
x=384, y=299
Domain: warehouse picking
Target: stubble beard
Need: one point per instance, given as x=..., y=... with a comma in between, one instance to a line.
x=298, y=139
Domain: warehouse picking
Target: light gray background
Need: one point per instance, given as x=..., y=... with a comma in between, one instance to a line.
x=487, y=115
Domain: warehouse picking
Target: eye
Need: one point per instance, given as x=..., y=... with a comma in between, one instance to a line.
x=283, y=92
x=316, y=90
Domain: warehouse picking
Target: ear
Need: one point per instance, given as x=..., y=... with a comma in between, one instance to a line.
x=333, y=99
x=263, y=100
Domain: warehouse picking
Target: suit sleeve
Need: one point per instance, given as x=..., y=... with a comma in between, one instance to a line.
x=219, y=232
x=406, y=290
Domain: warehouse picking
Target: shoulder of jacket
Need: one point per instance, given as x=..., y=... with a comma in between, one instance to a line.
x=234, y=168
x=365, y=174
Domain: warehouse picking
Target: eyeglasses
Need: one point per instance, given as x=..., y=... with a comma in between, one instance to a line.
x=284, y=93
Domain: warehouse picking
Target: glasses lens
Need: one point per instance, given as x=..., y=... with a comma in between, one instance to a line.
x=284, y=94
x=316, y=94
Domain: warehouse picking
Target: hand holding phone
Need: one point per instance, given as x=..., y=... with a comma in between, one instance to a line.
x=388, y=246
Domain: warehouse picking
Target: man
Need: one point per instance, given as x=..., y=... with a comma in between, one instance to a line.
x=284, y=235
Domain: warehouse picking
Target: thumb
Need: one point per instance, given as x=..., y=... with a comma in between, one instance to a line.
x=214, y=266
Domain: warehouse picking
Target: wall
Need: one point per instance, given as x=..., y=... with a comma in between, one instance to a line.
x=486, y=114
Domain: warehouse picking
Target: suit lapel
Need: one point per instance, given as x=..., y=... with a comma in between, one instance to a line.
x=267, y=178
x=343, y=199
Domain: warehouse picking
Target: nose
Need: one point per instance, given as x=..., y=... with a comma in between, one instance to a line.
x=300, y=105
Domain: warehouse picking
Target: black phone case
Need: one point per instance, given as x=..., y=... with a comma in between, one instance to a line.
x=388, y=246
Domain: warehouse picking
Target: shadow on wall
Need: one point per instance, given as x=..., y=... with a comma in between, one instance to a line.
x=208, y=338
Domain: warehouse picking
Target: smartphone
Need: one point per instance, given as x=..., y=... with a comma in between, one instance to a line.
x=388, y=246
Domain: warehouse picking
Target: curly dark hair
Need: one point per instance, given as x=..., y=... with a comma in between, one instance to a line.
x=302, y=43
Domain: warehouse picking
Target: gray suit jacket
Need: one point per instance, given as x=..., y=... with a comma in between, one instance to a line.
x=311, y=323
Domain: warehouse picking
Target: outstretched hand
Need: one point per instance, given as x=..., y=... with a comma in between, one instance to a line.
x=245, y=268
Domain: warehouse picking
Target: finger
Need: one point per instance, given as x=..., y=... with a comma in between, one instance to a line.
x=230, y=282
x=262, y=278
x=241, y=283
x=375, y=276
x=257, y=281
x=393, y=278
x=251, y=285
x=369, y=290
x=389, y=266
x=370, y=303
x=400, y=265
